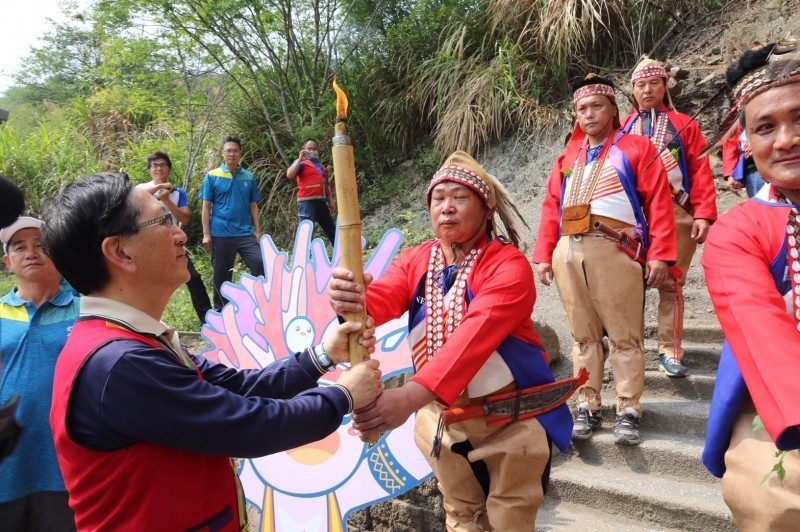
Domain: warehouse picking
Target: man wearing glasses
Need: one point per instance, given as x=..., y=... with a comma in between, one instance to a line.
x=144, y=430
x=231, y=222
x=175, y=199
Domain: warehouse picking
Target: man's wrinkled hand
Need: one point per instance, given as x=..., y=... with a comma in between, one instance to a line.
x=545, y=272
x=700, y=230
x=345, y=295
x=655, y=272
x=733, y=185
x=391, y=410
x=363, y=381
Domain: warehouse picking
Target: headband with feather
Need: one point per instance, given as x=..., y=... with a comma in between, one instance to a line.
x=755, y=72
x=461, y=168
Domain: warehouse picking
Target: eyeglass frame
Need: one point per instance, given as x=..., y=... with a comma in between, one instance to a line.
x=167, y=217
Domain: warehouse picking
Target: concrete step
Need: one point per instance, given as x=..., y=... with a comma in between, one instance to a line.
x=672, y=455
x=696, y=356
x=693, y=333
x=649, y=499
x=557, y=515
x=698, y=384
x=700, y=358
x=673, y=415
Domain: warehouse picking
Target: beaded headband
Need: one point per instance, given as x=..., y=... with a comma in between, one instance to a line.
x=759, y=81
x=596, y=88
x=463, y=176
x=648, y=71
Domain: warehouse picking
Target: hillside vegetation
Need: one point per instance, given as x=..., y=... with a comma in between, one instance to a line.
x=424, y=77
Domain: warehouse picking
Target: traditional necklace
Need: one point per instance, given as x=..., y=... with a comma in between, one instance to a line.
x=582, y=189
x=793, y=255
x=659, y=128
x=439, y=323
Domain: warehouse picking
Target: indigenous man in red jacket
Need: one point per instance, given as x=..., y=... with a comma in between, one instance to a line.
x=678, y=141
x=752, y=264
x=605, y=176
x=469, y=294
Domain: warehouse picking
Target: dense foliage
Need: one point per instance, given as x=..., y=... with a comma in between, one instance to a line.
x=127, y=77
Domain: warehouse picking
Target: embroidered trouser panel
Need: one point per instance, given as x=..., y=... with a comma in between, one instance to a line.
x=602, y=290
x=755, y=506
x=515, y=457
x=666, y=292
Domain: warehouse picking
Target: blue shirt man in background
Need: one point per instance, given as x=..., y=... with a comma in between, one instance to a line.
x=35, y=319
x=231, y=221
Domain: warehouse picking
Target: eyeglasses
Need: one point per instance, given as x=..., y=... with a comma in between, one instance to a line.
x=159, y=165
x=167, y=218
x=232, y=152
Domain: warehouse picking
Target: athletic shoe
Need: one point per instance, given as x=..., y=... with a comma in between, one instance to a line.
x=586, y=422
x=627, y=430
x=672, y=366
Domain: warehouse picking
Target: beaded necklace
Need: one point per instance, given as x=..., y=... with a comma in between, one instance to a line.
x=658, y=128
x=792, y=254
x=793, y=258
x=582, y=189
x=440, y=324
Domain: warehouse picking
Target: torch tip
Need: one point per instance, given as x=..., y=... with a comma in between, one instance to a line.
x=341, y=102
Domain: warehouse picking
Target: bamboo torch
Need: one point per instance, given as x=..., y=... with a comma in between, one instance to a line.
x=349, y=239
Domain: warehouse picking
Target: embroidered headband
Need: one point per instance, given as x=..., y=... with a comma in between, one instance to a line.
x=754, y=72
x=462, y=169
x=595, y=88
x=759, y=81
x=648, y=71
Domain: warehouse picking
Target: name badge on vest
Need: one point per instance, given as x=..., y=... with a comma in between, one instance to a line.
x=575, y=219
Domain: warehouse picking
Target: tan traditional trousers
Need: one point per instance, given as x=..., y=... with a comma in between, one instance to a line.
x=516, y=456
x=772, y=506
x=602, y=289
x=666, y=292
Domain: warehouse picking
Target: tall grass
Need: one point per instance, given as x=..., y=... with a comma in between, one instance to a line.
x=505, y=66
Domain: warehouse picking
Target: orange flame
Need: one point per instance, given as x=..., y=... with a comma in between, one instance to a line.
x=341, y=102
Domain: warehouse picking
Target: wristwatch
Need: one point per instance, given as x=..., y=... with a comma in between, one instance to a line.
x=323, y=359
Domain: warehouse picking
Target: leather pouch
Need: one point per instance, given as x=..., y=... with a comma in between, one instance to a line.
x=575, y=219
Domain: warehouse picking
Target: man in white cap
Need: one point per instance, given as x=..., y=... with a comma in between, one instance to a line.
x=679, y=142
x=35, y=319
x=469, y=294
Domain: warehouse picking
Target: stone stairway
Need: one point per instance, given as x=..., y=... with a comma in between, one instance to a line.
x=661, y=483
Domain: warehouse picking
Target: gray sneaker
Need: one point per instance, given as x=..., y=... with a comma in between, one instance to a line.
x=672, y=366
x=627, y=430
x=586, y=422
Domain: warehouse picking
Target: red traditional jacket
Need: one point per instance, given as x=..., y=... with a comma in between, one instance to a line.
x=745, y=260
x=686, y=141
x=501, y=294
x=644, y=180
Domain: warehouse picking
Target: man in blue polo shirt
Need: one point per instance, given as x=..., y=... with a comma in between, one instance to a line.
x=231, y=222
x=35, y=319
